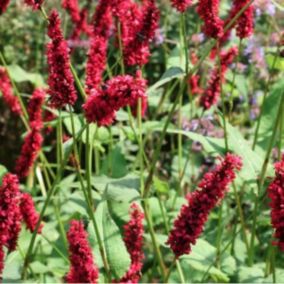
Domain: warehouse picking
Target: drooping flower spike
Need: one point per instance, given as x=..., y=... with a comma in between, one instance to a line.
x=30, y=150
x=276, y=195
x=211, y=190
x=7, y=92
x=29, y=213
x=60, y=80
x=83, y=268
x=212, y=93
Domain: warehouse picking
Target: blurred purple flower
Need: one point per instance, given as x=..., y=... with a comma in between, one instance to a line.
x=198, y=38
x=264, y=7
x=159, y=37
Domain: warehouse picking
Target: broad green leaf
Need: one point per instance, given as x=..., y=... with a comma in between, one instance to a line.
x=160, y=185
x=116, y=252
x=170, y=74
x=276, y=63
x=78, y=124
x=253, y=274
x=19, y=75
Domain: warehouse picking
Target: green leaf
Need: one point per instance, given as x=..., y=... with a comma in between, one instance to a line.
x=250, y=274
x=3, y=171
x=170, y=74
x=160, y=185
x=19, y=75
x=116, y=252
x=276, y=63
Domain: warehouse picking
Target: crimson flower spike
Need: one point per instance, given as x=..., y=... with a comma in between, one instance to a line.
x=133, y=239
x=72, y=7
x=276, y=195
x=60, y=81
x=191, y=220
x=181, y=5
x=3, y=6
x=208, y=11
x=10, y=221
x=35, y=4
x=82, y=269
x=212, y=93
x=7, y=92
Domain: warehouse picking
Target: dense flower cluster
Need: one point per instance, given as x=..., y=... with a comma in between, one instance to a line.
x=194, y=87
x=244, y=23
x=181, y=5
x=35, y=4
x=133, y=239
x=137, y=38
x=82, y=25
x=10, y=221
x=120, y=91
x=35, y=107
x=212, y=93
x=276, y=195
x=208, y=11
x=102, y=19
x=29, y=213
x=60, y=80
x=212, y=188
x=96, y=63
x=83, y=269
x=72, y=6
x=29, y=152
x=3, y=6
x=7, y=92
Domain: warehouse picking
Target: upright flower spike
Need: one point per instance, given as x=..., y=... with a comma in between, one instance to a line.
x=244, y=23
x=212, y=93
x=29, y=213
x=189, y=224
x=133, y=239
x=60, y=80
x=82, y=25
x=276, y=195
x=83, y=269
x=181, y=5
x=72, y=7
x=35, y=106
x=96, y=63
x=3, y=6
x=30, y=150
x=102, y=19
x=208, y=11
x=10, y=221
x=136, y=48
x=7, y=92
x=35, y=4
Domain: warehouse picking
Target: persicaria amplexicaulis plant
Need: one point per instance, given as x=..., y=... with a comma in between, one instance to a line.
x=145, y=132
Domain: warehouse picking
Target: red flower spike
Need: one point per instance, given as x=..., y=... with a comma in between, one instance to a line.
x=244, y=23
x=83, y=269
x=102, y=19
x=276, y=195
x=133, y=239
x=3, y=6
x=136, y=46
x=96, y=63
x=82, y=25
x=7, y=92
x=212, y=93
x=35, y=4
x=10, y=221
x=181, y=5
x=60, y=80
x=208, y=11
x=193, y=82
x=29, y=213
x=35, y=106
x=30, y=150
x=98, y=109
x=72, y=7
x=189, y=224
